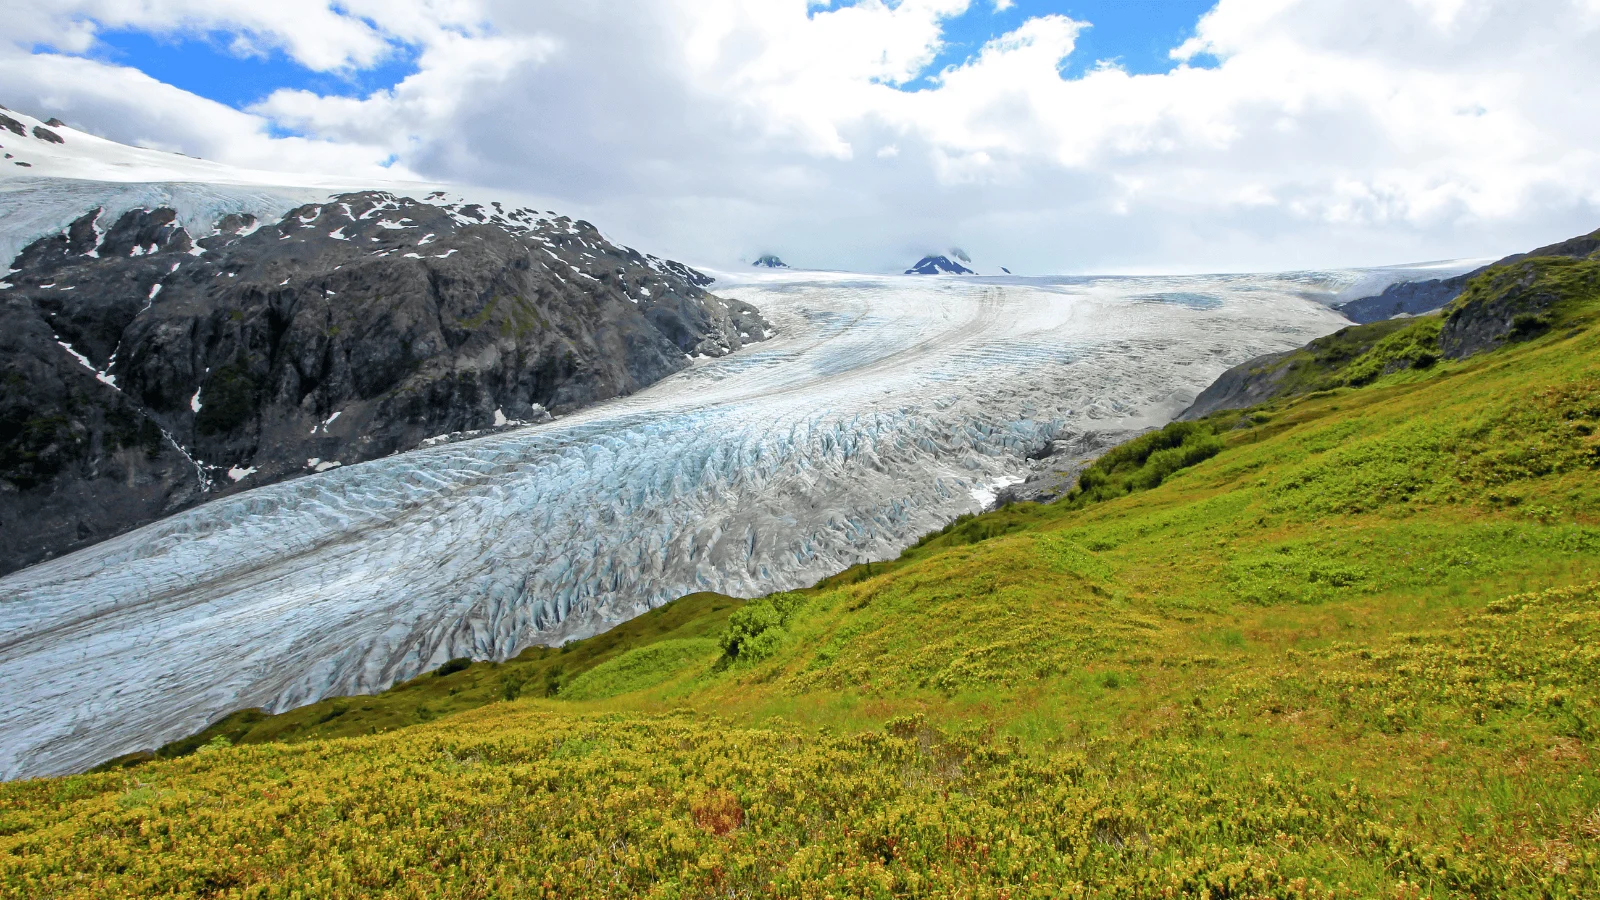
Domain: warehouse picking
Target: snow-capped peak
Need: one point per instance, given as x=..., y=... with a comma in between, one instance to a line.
x=939, y=265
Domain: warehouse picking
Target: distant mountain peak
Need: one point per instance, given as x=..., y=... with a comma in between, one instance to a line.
x=939, y=265
x=769, y=261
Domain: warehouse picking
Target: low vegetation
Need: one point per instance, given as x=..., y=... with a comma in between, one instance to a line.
x=1343, y=645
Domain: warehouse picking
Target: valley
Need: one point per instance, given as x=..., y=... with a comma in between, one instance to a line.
x=882, y=408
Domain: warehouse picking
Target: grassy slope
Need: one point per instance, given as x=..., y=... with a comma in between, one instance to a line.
x=1354, y=653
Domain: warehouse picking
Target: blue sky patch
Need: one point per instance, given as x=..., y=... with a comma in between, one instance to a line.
x=207, y=66
x=1138, y=35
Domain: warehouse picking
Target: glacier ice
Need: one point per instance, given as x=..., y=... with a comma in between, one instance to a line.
x=883, y=407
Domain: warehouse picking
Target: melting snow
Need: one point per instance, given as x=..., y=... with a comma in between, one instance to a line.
x=194, y=402
x=102, y=377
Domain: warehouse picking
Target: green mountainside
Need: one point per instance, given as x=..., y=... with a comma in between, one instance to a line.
x=1343, y=643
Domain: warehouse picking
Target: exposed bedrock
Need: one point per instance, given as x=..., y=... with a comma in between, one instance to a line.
x=144, y=369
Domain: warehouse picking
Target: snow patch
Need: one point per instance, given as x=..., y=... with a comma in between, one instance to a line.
x=194, y=402
x=105, y=379
x=238, y=474
x=987, y=494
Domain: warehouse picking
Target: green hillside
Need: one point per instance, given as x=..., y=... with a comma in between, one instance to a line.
x=1345, y=644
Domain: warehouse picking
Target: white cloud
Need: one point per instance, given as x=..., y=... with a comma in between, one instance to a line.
x=1362, y=131
x=163, y=117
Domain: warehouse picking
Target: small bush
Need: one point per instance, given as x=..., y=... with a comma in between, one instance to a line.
x=756, y=631
x=452, y=667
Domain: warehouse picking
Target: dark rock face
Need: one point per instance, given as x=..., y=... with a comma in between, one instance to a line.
x=45, y=134
x=12, y=125
x=143, y=369
x=1061, y=461
x=1416, y=297
x=1241, y=387
x=1410, y=298
x=938, y=265
x=770, y=262
x=1508, y=305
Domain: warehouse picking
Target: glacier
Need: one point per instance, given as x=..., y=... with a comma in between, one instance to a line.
x=883, y=407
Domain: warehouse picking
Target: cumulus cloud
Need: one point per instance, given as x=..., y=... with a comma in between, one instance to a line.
x=1290, y=132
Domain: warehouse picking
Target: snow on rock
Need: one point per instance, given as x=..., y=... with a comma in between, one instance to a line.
x=938, y=265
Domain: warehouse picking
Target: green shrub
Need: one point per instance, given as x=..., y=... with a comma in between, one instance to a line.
x=1145, y=462
x=452, y=667
x=755, y=631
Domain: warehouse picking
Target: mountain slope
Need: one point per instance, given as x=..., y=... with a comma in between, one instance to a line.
x=938, y=265
x=1510, y=302
x=1347, y=651
x=1411, y=298
x=144, y=368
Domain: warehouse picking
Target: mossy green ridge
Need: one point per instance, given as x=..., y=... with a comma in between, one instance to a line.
x=1354, y=652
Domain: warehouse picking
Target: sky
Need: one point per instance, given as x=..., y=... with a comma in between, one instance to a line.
x=1048, y=136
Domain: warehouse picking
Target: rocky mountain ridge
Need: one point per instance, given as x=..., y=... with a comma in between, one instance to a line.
x=1506, y=302
x=144, y=369
x=1412, y=298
